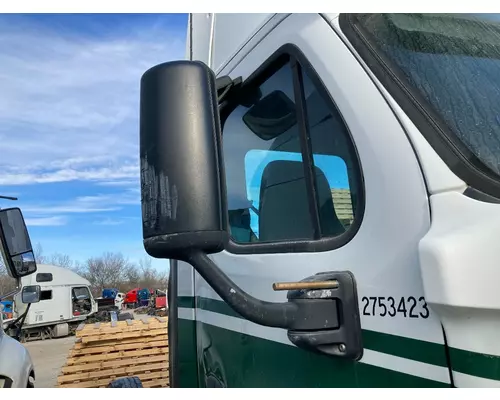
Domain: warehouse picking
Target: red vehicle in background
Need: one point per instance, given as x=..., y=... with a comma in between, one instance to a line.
x=131, y=298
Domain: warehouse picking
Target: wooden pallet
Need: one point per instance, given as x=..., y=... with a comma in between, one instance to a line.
x=107, y=351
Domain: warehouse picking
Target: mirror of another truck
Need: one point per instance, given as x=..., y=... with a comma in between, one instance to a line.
x=185, y=213
x=31, y=294
x=16, y=244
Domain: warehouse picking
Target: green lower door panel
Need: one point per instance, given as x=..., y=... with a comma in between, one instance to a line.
x=232, y=359
x=187, y=365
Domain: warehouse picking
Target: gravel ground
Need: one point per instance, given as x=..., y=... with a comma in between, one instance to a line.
x=49, y=356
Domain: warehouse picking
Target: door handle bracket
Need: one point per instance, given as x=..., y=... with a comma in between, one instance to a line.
x=329, y=298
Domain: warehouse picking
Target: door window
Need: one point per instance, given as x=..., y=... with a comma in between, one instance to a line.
x=81, y=300
x=292, y=172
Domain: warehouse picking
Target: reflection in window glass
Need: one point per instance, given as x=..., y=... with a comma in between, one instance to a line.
x=453, y=62
x=268, y=125
x=333, y=168
x=267, y=193
x=334, y=154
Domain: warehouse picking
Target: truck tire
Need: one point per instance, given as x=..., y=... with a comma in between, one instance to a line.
x=125, y=316
x=128, y=382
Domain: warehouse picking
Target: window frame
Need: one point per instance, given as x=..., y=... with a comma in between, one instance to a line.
x=455, y=154
x=290, y=53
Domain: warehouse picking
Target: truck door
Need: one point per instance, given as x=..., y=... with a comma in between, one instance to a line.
x=369, y=211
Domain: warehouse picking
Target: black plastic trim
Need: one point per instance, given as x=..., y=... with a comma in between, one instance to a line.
x=305, y=146
x=291, y=53
x=480, y=196
x=173, y=328
x=461, y=161
x=8, y=382
x=448, y=357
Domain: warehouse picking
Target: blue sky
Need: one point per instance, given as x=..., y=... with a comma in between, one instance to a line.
x=69, y=133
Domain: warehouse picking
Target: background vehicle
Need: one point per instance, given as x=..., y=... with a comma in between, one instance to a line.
x=16, y=366
x=111, y=299
x=65, y=301
x=6, y=309
x=387, y=111
x=131, y=298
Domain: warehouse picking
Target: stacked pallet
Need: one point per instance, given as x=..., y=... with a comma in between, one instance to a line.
x=104, y=352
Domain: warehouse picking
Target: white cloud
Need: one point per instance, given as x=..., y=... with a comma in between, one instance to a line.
x=120, y=183
x=68, y=174
x=46, y=221
x=128, y=197
x=110, y=221
x=69, y=106
x=87, y=204
x=67, y=209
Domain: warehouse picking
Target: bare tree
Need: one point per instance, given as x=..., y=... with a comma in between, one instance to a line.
x=38, y=251
x=132, y=277
x=61, y=260
x=106, y=271
x=150, y=277
x=7, y=283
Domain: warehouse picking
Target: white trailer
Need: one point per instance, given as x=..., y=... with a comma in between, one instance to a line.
x=65, y=301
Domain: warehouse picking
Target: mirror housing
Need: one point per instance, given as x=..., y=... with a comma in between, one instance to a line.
x=31, y=294
x=16, y=244
x=182, y=181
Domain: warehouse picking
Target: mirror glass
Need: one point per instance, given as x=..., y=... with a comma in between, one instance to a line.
x=16, y=242
x=31, y=294
x=14, y=230
x=24, y=263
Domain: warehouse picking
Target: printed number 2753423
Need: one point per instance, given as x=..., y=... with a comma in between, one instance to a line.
x=408, y=307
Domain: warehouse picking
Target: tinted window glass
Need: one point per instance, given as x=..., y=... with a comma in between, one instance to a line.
x=44, y=277
x=268, y=195
x=335, y=156
x=46, y=295
x=453, y=61
x=254, y=141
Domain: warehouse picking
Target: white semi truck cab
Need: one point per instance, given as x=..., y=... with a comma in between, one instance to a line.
x=327, y=188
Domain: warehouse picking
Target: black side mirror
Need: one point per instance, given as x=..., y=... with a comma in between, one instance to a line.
x=30, y=294
x=183, y=206
x=16, y=244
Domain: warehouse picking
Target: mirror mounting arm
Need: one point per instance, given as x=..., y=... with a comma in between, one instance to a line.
x=306, y=314
x=278, y=315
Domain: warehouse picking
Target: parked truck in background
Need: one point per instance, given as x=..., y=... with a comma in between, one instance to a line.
x=65, y=302
x=110, y=300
